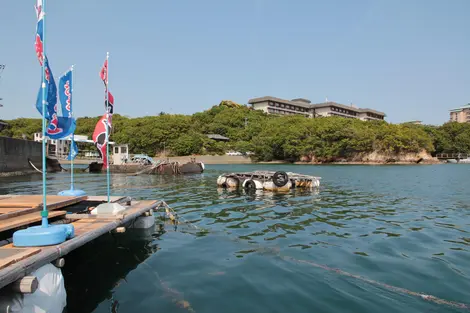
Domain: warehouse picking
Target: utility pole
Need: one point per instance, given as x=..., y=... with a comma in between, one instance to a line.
x=246, y=122
x=2, y=67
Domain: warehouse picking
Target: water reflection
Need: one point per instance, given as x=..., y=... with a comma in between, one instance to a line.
x=95, y=270
x=386, y=223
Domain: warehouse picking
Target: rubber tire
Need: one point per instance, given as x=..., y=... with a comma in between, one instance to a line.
x=250, y=185
x=237, y=181
x=280, y=179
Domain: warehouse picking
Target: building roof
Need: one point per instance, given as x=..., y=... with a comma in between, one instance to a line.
x=217, y=137
x=467, y=106
x=306, y=104
x=301, y=100
x=347, y=107
x=268, y=98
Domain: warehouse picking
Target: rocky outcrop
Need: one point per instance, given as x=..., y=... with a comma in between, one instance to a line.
x=229, y=104
x=375, y=157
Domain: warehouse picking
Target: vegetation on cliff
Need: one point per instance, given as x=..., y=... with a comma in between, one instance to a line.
x=269, y=137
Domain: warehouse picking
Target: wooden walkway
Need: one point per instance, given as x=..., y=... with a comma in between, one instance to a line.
x=18, y=212
x=456, y=156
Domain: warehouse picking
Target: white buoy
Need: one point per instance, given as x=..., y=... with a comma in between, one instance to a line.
x=50, y=296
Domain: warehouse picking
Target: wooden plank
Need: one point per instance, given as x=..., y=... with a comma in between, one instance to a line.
x=85, y=231
x=18, y=256
x=141, y=206
x=26, y=219
x=35, y=201
x=16, y=212
x=94, y=216
x=82, y=229
x=9, y=210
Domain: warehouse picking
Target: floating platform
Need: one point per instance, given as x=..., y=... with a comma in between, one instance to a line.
x=267, y=180
x=22, y=211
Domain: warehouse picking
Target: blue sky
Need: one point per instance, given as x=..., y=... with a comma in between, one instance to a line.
x=408, y=58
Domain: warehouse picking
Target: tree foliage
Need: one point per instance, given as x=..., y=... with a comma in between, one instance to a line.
x=270, y=137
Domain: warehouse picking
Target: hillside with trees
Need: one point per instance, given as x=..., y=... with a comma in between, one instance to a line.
x=269, y=137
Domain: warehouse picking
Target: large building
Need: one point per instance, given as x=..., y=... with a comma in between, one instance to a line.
x=460, y=115
x=300, y=106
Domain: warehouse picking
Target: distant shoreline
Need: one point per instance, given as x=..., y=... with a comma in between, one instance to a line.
x=229, y=159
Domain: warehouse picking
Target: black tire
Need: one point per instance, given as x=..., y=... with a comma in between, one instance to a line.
x=250, y=185
x=280, y=179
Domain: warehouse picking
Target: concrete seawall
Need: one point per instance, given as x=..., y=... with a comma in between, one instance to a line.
x=14, y=155
x=211, y=159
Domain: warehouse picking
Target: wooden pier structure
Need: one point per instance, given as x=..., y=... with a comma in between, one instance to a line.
x=21, y=211
x=455, y=156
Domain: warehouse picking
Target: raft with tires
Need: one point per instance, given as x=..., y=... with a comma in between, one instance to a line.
x=266, y=180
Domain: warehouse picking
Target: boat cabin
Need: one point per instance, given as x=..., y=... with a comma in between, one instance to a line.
x=120, y=154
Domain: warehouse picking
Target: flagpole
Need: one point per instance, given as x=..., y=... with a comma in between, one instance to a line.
x=44, y=212
x=73, y=134
x=107, y=122
x=44, y=235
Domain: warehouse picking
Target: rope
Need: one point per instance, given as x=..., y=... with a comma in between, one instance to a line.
x=430, y=298
x=176, y=296
x=174, y=217
x=423, y=296
x=31, y=163
x=171, y=213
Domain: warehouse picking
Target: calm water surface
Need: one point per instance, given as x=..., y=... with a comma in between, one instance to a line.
x=405, y=226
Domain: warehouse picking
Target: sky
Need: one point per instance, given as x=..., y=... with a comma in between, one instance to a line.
x=407, y=58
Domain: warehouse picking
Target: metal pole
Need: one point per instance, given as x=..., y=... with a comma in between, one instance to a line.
x=107, y=123
x=71, y=164
x=44, y=212
x=73, y=134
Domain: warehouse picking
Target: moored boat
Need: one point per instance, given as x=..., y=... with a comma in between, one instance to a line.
x=143, y=164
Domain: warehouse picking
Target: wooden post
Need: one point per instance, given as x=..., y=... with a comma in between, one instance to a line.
x=59, y=262
x=27, y=284
x=120, y=230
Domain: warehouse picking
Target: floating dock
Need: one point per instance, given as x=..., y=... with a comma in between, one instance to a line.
x=267, y=180
x=18, y=212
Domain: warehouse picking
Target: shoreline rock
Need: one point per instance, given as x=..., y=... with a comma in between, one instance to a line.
x=376, y=158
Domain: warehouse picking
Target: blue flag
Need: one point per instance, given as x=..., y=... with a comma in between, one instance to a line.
x=62, y=123
x=51, y=92
x=73, y=150
x=65, y=95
